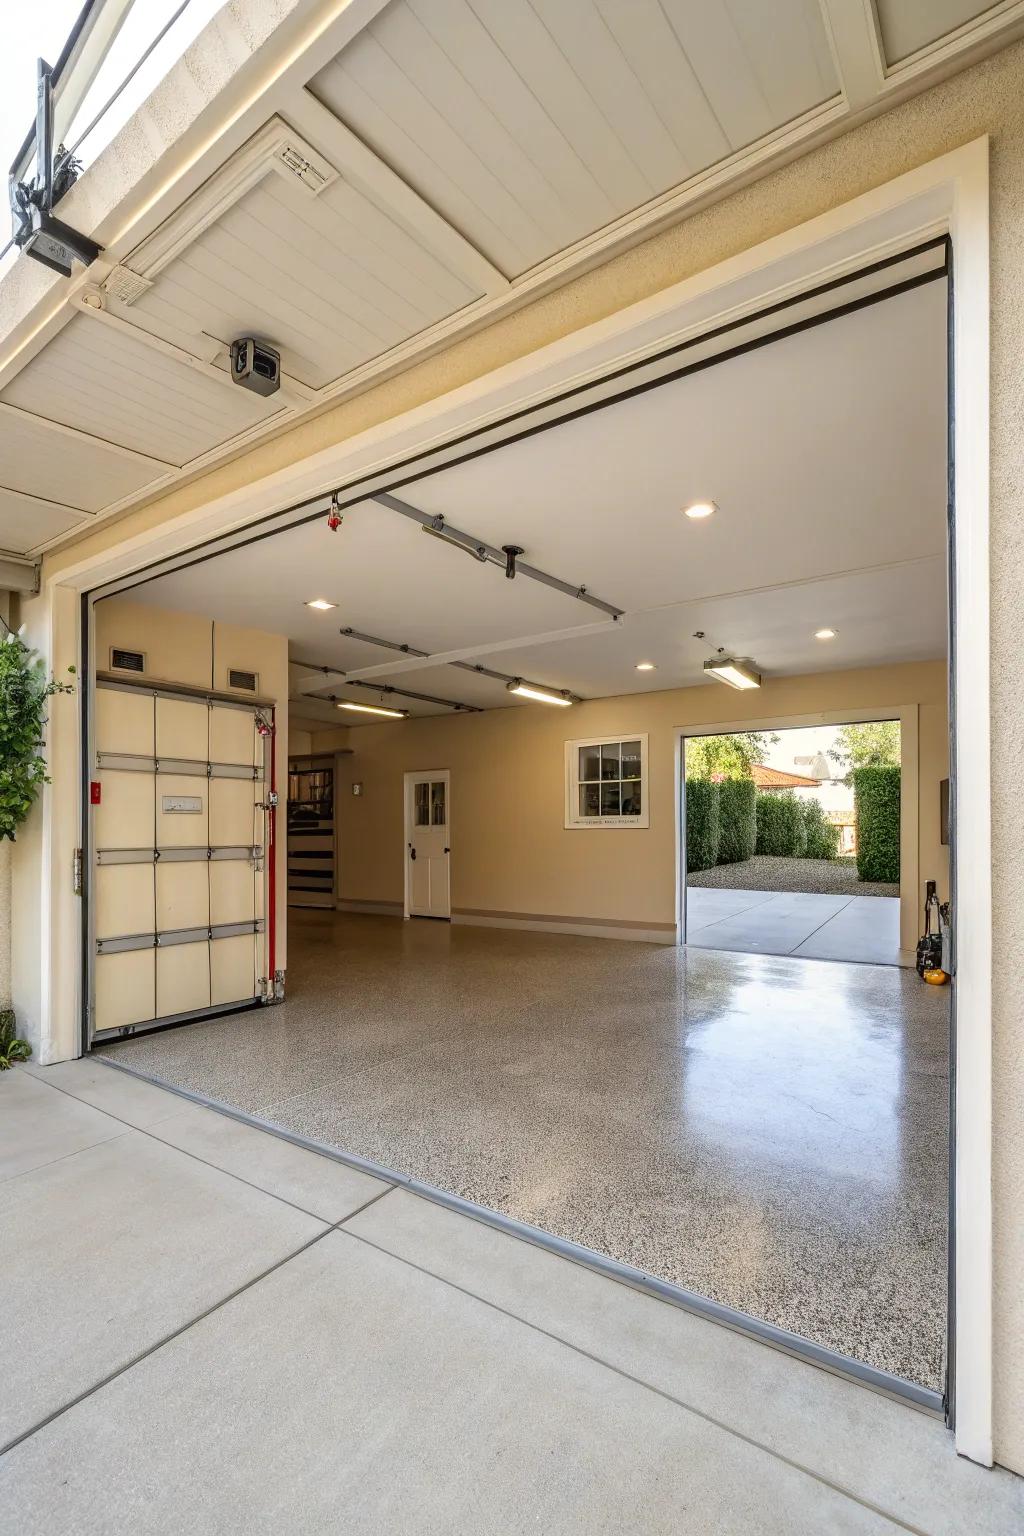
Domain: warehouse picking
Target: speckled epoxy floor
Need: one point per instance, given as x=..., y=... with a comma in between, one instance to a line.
x=767, y=1131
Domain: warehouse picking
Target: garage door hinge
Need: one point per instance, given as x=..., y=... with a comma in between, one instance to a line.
x=76, y=872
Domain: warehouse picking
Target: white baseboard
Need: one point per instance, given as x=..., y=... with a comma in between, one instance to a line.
x=586, y=930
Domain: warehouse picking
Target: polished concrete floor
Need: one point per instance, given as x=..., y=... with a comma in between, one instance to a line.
x=207, y=1329
x=769, y=1132
x=864, y=929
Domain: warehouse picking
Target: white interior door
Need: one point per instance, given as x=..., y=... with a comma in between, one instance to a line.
x=428, y=850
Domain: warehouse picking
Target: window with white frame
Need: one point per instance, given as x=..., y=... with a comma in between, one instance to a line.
x=606, y=782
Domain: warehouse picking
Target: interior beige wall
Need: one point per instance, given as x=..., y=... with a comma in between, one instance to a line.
x=511, y=852
x=188, y=649
x=987, y=99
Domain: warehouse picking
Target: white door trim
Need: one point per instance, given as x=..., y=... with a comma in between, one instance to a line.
x=948, y=194
x=911, y=899
x=409, y=779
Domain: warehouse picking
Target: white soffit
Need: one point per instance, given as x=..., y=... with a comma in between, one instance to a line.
x=113, y=386
x=26, y=521
x=63, y=467
x=456, y=157
x=330, y=280
x=530, y=124
x=909, y=25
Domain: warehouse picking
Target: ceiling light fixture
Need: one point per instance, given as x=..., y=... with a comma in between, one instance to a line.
x=734, y=670
x=320, y=604
x=645, y=666
x=374, y=709
x=699, y=509
x=542, y=695
x=824, y=634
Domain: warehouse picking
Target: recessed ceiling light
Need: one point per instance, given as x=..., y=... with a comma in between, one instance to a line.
x=645, y=666
x=698, y=509
x=824, y=634
x=321, y=604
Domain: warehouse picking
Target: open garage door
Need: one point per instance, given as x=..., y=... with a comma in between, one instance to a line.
x=177, y=856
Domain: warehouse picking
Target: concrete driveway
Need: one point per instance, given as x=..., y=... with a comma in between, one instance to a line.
x=210, y=1329
x=864, y=928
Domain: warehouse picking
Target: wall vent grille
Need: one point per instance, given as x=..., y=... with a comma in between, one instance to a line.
x=127, y=661
x=245, y=680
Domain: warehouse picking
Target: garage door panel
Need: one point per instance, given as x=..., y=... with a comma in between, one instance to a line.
x=233, y=969
x=182, y=811
x=182, y=894
x=125, y=814
x=233, y=737
x=125, y=988
x=232, y=891
x=183, y=728
x=124, y=900
x=125, y=722
x=182, y=978
x=232, y=813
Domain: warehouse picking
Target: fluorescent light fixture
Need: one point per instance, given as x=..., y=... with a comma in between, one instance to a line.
x=824, y=634
x=374, y=709
x=542, y=695
x=645, y=666
x=734, y=670
x=320, y=604
x=698, y=509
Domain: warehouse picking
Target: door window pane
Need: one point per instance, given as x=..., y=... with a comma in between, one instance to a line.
x=421, y=816
x=590, y=799
x=437, y=807
x=590, y=764
x=609, y=799
x=630, y=759
x=610, y=760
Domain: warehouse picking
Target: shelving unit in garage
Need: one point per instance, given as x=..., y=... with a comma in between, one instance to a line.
x=180, y=823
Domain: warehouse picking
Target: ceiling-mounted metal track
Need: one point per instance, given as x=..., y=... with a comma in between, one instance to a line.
x=483, y=551
x=466, y=666
x=406, y=693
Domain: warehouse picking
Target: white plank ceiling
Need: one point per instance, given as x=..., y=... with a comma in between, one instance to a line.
x=333, y=280
x=472, y=152
x=531, y=123
x=907, y=25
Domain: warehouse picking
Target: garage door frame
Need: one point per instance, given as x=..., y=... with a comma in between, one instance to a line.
x=947, y=195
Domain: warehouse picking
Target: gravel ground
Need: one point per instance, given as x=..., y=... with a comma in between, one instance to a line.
x=820, y=877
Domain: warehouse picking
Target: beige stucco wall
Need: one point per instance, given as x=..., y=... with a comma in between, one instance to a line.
x=988, y=99
x=188, y=649
x=511, y=852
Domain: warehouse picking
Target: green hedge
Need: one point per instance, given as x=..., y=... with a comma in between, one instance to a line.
x=701, y=824
x=876, y=793
x=822, y=836
x=781, y=831
x=737, y=820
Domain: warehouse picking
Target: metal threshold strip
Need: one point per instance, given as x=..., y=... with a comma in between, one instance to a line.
x=923, y=1398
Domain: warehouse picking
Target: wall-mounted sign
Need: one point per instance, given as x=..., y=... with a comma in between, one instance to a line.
x=183, y=805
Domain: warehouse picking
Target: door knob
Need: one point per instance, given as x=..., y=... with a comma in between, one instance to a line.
x=412, y=851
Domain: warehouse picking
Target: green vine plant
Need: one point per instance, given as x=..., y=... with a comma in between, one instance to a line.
x=12, y=1048
x=24, y=690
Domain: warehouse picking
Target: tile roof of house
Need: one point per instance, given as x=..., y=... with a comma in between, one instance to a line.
x=777, y=778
